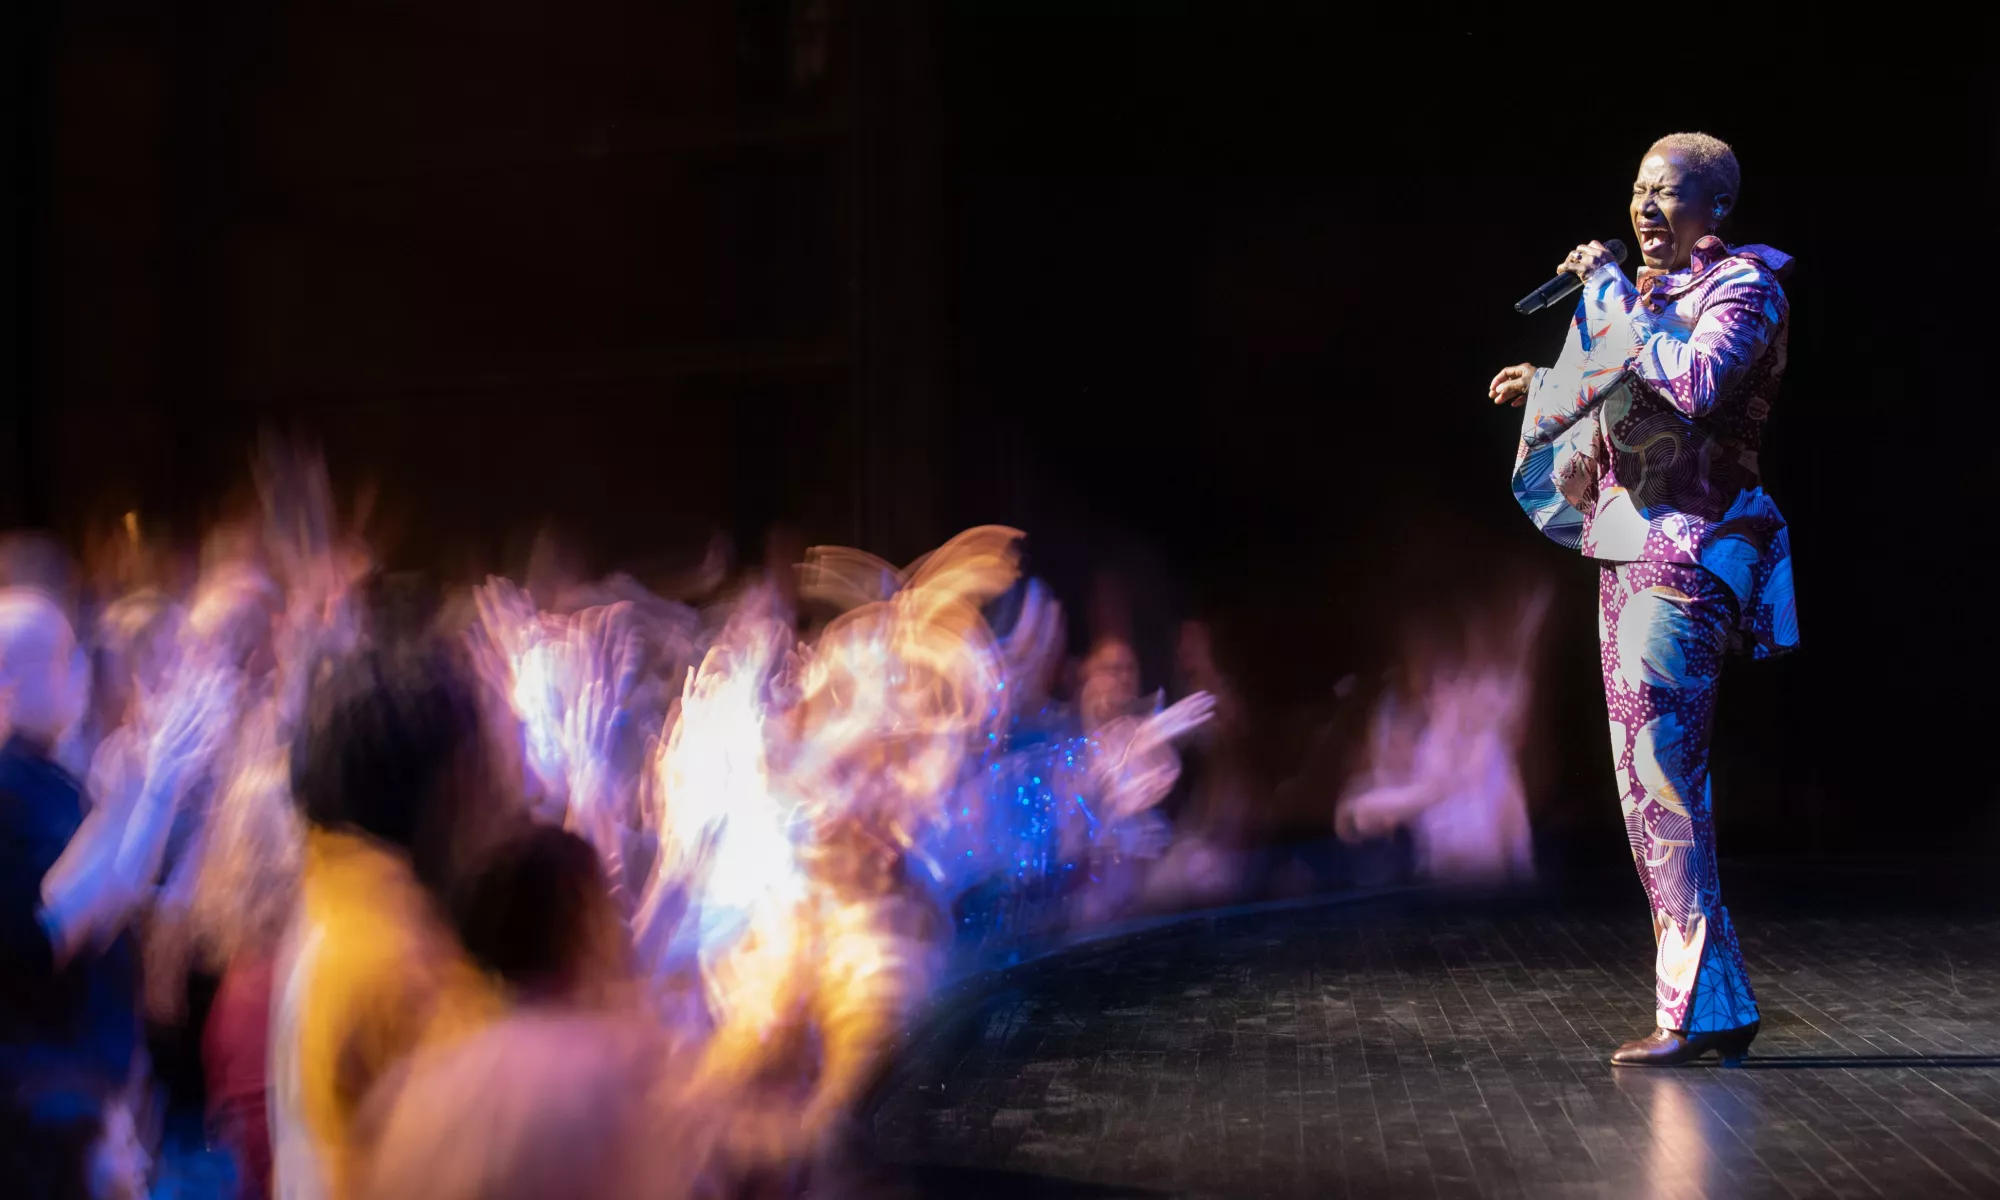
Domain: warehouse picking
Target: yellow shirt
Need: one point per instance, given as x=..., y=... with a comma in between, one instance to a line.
x=369, y=974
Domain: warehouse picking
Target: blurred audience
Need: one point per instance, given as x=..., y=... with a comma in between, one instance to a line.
x=386, y=774
x=542, y=1104
x=349, y=809
x=538, y=913
x=70, y=883
x=72, y=1140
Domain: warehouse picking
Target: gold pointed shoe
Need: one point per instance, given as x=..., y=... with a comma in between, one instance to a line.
x=1673, y=1048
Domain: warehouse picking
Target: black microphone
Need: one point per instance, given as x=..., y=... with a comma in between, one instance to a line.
x=1563, y=284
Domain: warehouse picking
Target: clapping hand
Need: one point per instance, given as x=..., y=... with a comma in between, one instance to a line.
x=188, y=725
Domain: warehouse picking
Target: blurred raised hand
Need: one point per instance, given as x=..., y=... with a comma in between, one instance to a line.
x=187, y=727
x=1138, y=764
x=507, y=616
x=1178, y=720
x=1032, y=646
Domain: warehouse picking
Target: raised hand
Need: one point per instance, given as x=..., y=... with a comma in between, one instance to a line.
x=1034, y=640
x=1585, y=259
x=1184, y=717
x=190, y=723
x=603, y=658
x=507, y=611
x=600, y=663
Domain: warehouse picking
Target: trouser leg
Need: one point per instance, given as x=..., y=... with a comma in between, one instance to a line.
x=1663, y=632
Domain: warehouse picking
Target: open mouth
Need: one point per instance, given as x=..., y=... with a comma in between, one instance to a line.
x=1654, y=238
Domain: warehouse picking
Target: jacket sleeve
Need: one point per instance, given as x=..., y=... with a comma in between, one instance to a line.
x=1595, y=353
x=1739, y=316
x=27, y=957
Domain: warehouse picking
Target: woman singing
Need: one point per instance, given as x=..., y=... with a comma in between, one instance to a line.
x=1639, y=447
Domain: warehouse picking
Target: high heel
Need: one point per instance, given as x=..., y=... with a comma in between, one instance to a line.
x=1673, y=1048
x=1733, y=1045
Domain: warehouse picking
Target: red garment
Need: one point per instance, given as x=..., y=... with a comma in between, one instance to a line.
x=234, y=1047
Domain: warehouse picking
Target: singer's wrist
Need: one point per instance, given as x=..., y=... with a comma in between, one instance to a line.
x=1534, y=387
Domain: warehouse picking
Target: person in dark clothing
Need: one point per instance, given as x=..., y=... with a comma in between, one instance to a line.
x=69, y=885
x=54, y=1014
x=71, y=1141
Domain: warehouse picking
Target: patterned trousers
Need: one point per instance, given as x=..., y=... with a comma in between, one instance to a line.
x=1663, y=631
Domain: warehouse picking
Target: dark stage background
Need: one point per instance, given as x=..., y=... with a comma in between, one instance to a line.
x=1207, y=295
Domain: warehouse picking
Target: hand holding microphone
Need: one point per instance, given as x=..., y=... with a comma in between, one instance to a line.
x=1571, y=274
x=1512, y=384
x=1590, y=256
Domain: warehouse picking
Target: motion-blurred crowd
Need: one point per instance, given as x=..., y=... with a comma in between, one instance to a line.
x=572, y=889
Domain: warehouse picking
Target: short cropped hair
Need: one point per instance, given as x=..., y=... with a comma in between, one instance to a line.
x=34, y=632
x=386, y=729
x=38, y=561
x=526, y=911
x=1710, y=158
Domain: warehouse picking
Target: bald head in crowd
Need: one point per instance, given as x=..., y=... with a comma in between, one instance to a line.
x=36, y=560
x=44, y=677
